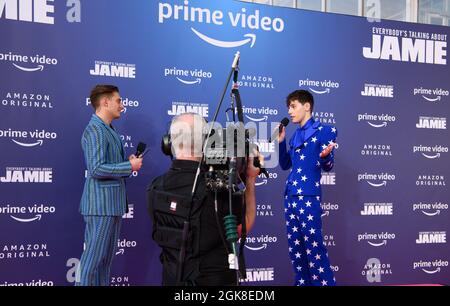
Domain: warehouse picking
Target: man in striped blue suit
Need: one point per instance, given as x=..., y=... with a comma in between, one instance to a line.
x=104, y=196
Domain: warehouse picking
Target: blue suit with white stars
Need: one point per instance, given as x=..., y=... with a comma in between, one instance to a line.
x=303, y=213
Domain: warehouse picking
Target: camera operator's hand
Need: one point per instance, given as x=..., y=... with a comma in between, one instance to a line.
x=252, y=171
x=250, y=198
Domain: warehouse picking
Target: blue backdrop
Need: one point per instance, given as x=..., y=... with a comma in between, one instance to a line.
x=384, y=84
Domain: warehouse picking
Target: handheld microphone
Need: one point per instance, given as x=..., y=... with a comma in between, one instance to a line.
x=140, y=149
x=284, y=123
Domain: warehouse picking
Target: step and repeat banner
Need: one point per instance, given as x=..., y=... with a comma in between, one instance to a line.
x=383, y=84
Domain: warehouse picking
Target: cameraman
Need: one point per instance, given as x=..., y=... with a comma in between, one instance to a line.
x=169, y=195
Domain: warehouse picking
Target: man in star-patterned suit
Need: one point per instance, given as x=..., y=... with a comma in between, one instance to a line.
x=310, y=151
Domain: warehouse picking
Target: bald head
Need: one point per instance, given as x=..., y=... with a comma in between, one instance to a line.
x=186, y=134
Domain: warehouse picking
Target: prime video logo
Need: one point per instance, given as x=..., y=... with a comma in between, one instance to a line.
x=376, y=121
x=21, y=138
x=126, y=102
x=376, y=239
x=261, y=242
x=188, y=77
x=430, y=267
x=426, y=208
x=28, y=63
x=431, y=152
x=328, y=207
x=19, y=213
x=376, y=180
x=258, y=114
x=262, y=180
x=321, y=87
x=243, y=19
x=124, y=244
x=431, y=95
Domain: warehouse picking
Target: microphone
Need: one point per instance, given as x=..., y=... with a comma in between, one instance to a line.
x=236, y=58
x=140, y=149
x=284, y=123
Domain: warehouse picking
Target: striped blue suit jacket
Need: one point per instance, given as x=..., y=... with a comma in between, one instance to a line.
x=104, y=191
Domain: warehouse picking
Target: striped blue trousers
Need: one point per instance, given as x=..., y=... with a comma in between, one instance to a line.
x=309, y=256
x=100, y=238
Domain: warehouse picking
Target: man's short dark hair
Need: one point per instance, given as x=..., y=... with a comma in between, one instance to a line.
x=99, y=91
x=303, y=96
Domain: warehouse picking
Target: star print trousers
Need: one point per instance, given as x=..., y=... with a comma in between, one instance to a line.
x=308, y=254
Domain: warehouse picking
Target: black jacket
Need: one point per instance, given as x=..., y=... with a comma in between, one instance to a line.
x=169, y=201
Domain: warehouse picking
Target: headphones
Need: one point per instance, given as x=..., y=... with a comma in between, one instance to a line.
x=166, y=145
x=166, y=141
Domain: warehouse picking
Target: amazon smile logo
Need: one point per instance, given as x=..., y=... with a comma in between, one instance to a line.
x=262, y=180
x=262, y=247
x=257, y=119
x=188, y=77
x=28, y=139
x=35, y=63
x=259, y=243
x=328, y=207
x=26, y=214
x=258, y=114
x=431, y=95
x=431, y=152
x=123, y=245
x=431, y=271
x=250, y=38
x=319, y=87
x=376, y=180
x=376, y=239
x=196, y=81
x=377, y=121
x=251, y=21
x=430, y=267
x=431, y=209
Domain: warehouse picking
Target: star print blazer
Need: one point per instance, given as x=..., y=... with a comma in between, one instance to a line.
x=304, y=159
